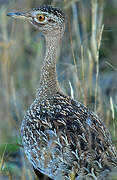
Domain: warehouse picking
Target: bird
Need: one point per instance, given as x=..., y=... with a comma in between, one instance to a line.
x=62, y=138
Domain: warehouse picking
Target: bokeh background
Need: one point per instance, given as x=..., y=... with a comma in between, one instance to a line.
x=87, y=70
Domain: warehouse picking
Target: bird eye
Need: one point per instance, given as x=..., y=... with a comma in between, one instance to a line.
x=40, y=17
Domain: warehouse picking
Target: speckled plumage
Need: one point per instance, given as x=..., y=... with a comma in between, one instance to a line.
x=50, y=9
x=61, y=137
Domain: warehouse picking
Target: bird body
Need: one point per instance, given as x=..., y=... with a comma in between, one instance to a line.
x=61, y=137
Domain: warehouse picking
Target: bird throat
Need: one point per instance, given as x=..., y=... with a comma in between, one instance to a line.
x=49, y=85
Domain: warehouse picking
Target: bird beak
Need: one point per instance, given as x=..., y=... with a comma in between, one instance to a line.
x=19, y=15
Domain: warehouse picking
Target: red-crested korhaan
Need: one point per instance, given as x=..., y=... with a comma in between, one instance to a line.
x=61, y=137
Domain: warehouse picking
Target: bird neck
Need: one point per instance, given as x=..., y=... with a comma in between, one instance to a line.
x=49, y=85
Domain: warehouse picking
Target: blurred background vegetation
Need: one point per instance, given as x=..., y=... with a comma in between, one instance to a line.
x=87, y=70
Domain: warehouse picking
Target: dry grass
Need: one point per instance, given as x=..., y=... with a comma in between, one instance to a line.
x=87, y=70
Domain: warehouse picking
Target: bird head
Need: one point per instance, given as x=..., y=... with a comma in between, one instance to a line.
x=47, y=19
